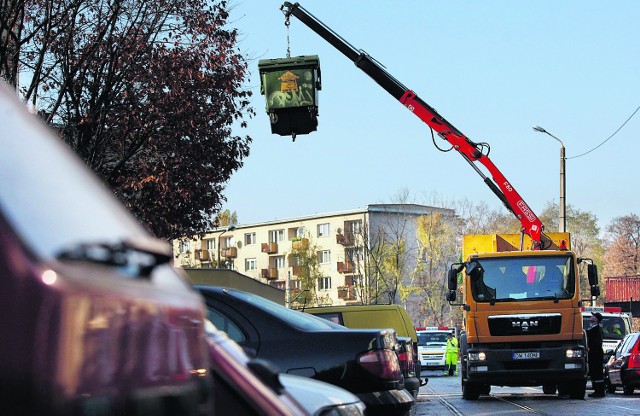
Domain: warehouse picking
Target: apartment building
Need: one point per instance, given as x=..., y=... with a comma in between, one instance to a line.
x=338, y=239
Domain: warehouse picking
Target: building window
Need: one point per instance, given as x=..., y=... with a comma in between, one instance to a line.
x=250, y=264
x=278, y=262
x=354, y=254
x=249, y=238
x=276, y=236
x=324, y=283
x=295, y=284
x=355, y=280
x=210, y=244
x=324, y=256
x=185, y=246
x=323, y=230
x=354, y=227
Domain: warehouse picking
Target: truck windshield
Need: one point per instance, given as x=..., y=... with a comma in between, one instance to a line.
x=519, y=278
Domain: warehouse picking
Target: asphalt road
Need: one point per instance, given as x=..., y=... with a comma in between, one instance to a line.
x=442, y=396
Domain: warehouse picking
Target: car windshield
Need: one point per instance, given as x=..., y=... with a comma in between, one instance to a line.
x=523, y=278
x=434, y=338
x=613, y=327
x=294, y=318
x=50, y=197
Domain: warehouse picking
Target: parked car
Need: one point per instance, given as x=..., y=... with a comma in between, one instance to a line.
x=363, y=361
x=93, y=317
x=623, y=367
x=382, y=316
x=252, y=387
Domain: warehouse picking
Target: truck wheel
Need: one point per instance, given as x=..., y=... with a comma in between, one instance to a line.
x=549, y=389
x=577, y=389
x=470, y=391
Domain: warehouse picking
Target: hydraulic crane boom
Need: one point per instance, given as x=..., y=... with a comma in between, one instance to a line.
x=470, y=151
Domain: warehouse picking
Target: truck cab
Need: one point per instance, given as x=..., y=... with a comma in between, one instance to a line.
x=522, y=316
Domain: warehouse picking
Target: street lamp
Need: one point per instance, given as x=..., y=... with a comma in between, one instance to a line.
x=229, y=228
x=563, y=202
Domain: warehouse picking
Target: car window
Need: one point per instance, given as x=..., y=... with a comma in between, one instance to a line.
x=613, y=327
x=294, y=318
x=224, y=324
x=626, y=344
x=50, y=197
x=335, y=317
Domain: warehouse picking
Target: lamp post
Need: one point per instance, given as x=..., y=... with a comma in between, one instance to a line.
x=563, y=202
x=229, y=228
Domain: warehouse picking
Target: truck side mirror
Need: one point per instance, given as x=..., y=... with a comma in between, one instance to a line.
x=452, y=278
x=474, y=270
x=451, y=296
x=595, y=291
x=592, y=273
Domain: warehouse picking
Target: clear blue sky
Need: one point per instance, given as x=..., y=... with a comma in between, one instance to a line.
x=492, y=68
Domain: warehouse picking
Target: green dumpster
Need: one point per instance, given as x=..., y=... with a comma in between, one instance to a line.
x=290, y=86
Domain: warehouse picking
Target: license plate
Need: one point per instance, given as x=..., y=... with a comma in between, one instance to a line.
x=428, y=364
x=526, y=355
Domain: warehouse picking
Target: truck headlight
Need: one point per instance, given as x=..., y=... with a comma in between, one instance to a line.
x=477, y=356
x=577, y=353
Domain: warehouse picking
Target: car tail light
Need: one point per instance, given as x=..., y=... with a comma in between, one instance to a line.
x=381, y=363
x=634, y=361
x=406, y=359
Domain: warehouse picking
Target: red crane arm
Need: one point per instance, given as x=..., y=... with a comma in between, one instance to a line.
x=470, y=151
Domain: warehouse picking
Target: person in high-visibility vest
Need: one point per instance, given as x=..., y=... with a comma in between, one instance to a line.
x=451, y=356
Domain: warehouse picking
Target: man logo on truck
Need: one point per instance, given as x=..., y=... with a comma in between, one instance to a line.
x=524, y=325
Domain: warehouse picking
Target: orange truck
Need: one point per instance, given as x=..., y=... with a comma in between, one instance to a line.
x=522, y=314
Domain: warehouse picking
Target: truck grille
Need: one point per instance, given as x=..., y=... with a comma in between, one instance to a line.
x=525, y=324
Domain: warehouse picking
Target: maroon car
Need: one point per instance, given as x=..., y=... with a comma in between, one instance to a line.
x=93, y=318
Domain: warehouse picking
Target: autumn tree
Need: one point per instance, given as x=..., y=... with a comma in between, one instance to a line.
x=585, y=238
x=148, y=93
x=304, y=258
x=438, y=248
x=622, y=257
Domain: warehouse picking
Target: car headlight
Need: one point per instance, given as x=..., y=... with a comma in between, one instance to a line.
x=352, y=409
x=477, y=356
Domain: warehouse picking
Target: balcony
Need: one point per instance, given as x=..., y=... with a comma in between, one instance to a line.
x=344, y=239
x=301, y=244
x=270, y=273
x=229, y=252
x=270, y=248
x=347, y=293
x=202, y=255
x=345, y=267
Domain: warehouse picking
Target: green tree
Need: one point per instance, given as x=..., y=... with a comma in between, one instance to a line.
x=146, y=92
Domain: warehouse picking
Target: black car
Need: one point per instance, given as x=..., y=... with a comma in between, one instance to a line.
x=623, y=368
x=362, y=361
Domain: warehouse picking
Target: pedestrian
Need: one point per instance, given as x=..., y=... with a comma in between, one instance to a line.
x=596, y=355
x=451, y=356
